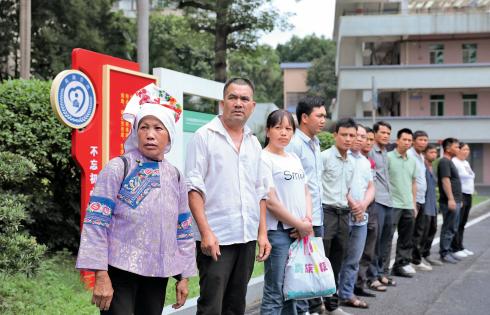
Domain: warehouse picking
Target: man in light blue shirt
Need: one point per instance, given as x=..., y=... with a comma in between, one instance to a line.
x=311, y=115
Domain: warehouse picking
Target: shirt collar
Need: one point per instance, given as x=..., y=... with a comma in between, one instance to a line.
x=217, y=125
x=305, y=138
x=398, y=155
x=337, y=153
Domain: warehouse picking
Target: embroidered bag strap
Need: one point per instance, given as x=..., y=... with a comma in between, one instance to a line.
x=178, y=173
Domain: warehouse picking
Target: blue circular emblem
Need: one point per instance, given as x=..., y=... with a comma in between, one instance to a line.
x=73, y=98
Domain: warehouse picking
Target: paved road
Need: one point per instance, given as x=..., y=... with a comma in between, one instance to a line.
x=450, y=289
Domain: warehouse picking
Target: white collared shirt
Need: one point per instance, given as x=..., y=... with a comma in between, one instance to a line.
x=360, y=180
x=336, y=177
x=421, y=180
x=229, y=181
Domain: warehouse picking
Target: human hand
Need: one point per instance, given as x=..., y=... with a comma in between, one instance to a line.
x=264, y=247
x=451, y=204
x=305, y=228
x=415, y=212
x=210, y=245
x=103, y=291
x=181, y=293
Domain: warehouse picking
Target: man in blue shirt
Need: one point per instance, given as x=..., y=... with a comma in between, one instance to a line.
x=311, y=115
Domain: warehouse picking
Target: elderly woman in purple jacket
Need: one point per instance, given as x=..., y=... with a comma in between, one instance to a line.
x=137, y=229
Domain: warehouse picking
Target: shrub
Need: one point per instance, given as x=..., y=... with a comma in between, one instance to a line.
x=326, y=140
x=19, y=252
x=29, y=128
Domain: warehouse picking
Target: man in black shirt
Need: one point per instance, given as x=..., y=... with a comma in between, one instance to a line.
x=450, y=197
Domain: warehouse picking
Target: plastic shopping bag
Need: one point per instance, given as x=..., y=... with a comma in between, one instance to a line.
x=308, y=272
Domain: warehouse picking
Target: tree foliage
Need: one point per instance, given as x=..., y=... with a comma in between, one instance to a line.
x=19, y=252
x=304, y=49
x=234, y=24
x=29, y=128
x=262, y=67
x=326, y=140
x=321, y=79
x=58, y=26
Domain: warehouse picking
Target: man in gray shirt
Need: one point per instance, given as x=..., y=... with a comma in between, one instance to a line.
x=378, y=271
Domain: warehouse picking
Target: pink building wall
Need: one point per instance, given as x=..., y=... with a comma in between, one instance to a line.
x=417, y=52
x=486, y=163
x=418, y=103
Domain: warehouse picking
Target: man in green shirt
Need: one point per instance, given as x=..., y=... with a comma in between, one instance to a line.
x=403, y=173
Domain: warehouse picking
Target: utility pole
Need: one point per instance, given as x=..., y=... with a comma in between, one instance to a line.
x=25, y=39
x=143, y=7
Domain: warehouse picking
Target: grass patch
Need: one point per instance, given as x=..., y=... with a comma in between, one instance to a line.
x=476, y=199
x=56, y=289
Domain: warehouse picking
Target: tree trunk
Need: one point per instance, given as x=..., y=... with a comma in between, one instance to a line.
x=221, y=38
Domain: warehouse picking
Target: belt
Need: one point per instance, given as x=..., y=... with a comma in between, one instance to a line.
x=336, y=210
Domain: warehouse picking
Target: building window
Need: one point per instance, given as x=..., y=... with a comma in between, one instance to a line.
x=469, y=104
x=469, y=53
x=436, y=53
x=437, y=105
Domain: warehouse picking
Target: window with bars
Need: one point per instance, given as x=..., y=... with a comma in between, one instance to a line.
x=436, y=53
x=469, y=53
x=437, y=105
x=470, y=102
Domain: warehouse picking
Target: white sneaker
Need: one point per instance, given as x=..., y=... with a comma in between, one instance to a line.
x=409, y=269
x=338, y=311
x=461, y=254
x=468, y=252
x=422, y=266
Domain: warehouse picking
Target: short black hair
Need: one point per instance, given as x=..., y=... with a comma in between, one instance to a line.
x=420, y=133
x=462, y=144
x=402, y=131
x=368, y=129
x=430, y=146
x=345, y=123
x=275, y=118
x=306, y=105
x=239, y=81
x=380, y=123
x=446, y=143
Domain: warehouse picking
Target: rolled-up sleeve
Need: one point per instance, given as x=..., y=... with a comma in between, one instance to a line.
x=185, y=237
x=196, y=165
x=93, y=250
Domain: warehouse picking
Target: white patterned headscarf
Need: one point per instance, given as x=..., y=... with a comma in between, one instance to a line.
x=151, y=101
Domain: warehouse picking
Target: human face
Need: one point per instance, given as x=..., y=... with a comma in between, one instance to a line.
x=369, y=143
x=464, y=152
x=431, y=155
x=453, y=150
x=315, y=121
x=237, y=105
x=382, y=137
x=404, y=143
x=153, y=138
x=344, y=138
x=280, y=135
x=360, y=141
x=420, y=143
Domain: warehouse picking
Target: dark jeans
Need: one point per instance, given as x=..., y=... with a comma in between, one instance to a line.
x=223, y=283
x=381, y=262
x=420, y=234
x=335, y=242
x=135, y=294
x=303, y=306
x=457, y=243
x=368, y=254
x=449, y=227
x=432, y=230
x=404, y=221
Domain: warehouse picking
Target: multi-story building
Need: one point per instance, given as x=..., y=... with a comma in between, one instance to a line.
x=294, y=82
x=428, y=64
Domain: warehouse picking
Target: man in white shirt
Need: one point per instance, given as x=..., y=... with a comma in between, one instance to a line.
x=227, y=200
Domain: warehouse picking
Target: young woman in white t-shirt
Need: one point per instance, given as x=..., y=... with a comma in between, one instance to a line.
x=288, y=208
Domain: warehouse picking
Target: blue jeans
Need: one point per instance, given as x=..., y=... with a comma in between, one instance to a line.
x=381, y=260
x=449, y=227
x=302, y=306
x=350, y=265
x=273, y=299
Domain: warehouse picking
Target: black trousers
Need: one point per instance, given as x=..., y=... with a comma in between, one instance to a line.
x=223, y=283
x=135, y=294
x=404, y=220
x=335, y=242
x=420, y=234
x=457, y=243
x=431, y=233
x=369, y=253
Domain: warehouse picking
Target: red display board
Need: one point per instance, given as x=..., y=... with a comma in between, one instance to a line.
x=115, y=81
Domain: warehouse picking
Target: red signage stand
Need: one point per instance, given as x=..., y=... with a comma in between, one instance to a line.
x=115, y=81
